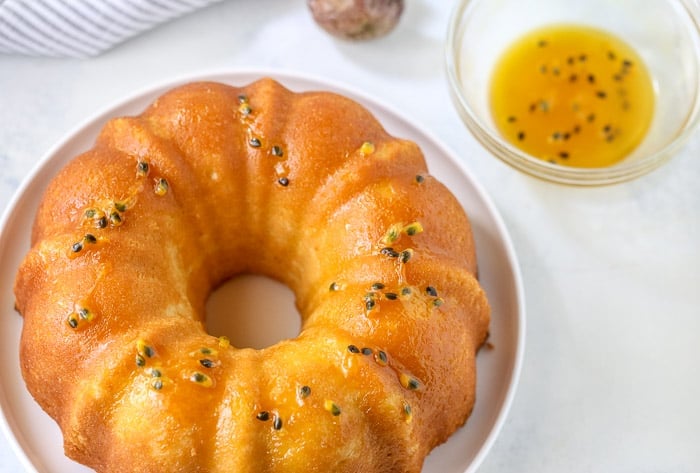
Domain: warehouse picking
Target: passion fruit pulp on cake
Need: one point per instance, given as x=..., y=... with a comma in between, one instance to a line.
x=572, y=95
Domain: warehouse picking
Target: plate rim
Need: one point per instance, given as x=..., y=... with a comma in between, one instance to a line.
x=321, y=83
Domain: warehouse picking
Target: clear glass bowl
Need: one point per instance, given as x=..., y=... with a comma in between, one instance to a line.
x=663, y=32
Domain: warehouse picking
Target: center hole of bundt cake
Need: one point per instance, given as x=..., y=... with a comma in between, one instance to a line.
x=253, y=312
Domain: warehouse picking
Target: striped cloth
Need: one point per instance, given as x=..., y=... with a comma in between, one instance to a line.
x=81, y=28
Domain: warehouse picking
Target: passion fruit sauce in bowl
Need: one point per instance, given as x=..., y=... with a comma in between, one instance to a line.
x=578, y=122
x=572, y=95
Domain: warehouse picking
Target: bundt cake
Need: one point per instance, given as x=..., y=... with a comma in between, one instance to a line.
x=212, y=181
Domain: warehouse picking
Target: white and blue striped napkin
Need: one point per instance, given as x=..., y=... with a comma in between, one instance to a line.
x=81, y=28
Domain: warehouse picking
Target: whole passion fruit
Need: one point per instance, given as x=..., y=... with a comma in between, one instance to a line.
x=356, y=19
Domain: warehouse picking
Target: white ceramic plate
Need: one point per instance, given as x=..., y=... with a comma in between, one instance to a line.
x=37, y=440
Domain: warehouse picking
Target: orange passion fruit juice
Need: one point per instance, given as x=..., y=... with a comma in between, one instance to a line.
x=572, y=95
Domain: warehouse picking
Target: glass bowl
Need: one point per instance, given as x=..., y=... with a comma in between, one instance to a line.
x=663, y=32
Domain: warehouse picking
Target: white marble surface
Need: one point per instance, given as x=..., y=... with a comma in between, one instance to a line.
x=611, y=376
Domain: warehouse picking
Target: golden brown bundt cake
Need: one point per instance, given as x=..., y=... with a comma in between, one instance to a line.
x=212, y=181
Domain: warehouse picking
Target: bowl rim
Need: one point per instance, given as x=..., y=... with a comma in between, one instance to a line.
x=536, y=167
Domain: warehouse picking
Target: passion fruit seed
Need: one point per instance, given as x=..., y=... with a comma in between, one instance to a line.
x=392, y=234
x=277, y=151
x=413, y=228
x=144, y=349
x=208, y=353
x=201, y=379
x=85, y=314
x=407, y=412
x=142, y=168
x=370, y=304
x=331, y=407
x=409, y=382
x=381, y=358
x=245, y=109
x=115, y=219
x=406, y=255
x=161, y=186
x=73, y=320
